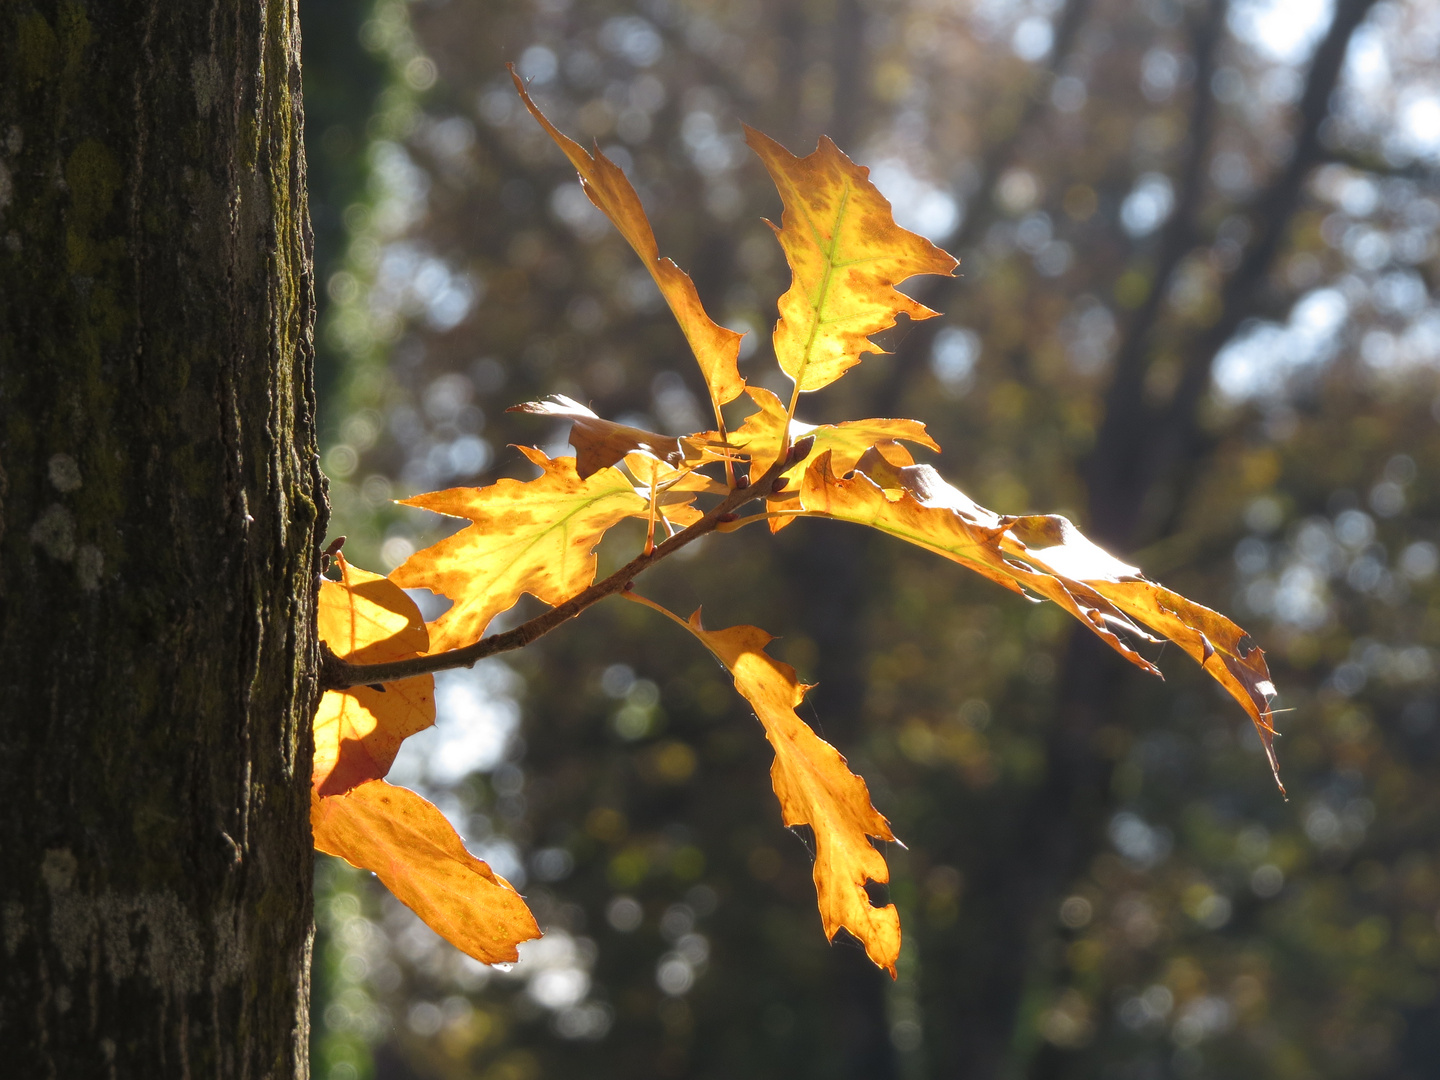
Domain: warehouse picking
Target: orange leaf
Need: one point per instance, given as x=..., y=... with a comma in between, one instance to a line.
x=1212, y=640
x=763, y=433
x=716, y=349
x=1105, y=594
x=815, y=788
x=367, y=619
x=846, y=256
x=418, y=856
x=599, y=442
x=535, y=537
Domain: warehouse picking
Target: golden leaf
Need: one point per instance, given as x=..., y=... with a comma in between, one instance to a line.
x=1213, y=641
x=1048, y=557
x=846, y=256
x=763, y=434
x=535, y=537
x=366, y=619
x=418, y=856
x=815, y=788
x=716, y=349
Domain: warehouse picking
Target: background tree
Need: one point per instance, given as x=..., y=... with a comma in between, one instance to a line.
x=159, y=544
x=1198, y=254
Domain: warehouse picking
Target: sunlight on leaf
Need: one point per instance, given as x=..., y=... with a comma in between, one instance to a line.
x=407, y=843
x=846, y=255
x=815, y=788
x=535, y=537
x=1048, y=557
x=366, y=619
x=716, y=349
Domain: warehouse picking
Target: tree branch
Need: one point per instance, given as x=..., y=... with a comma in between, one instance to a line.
x=909, y=353
x=1272, y=211
x=338, y=674
x=1116, y=462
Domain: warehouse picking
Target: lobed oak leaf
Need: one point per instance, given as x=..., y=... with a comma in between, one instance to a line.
x=716, y=348
x=407, y=843
x=366, y=619
x=764, y=432
x=537, y=537
x=1048, y=557
x=846, y=256
x=815, y=787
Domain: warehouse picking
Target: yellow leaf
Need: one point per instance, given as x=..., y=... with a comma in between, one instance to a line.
x=535, y=537
x=1048, y=557
x=762, y=436
x=815, y=788
x=674, y=488
x=846, y=256
x=1212, y=640
x=366, y=619
x=716, y=349
x=418, y=856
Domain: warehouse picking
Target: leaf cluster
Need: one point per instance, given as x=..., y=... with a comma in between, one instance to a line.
x=539, y=537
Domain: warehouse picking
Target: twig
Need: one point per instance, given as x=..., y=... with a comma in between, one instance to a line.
x=338, y=674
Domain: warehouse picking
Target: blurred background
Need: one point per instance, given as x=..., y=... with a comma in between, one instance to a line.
x=1196, y=312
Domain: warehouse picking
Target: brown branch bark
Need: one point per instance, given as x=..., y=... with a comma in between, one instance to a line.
x=337, y=674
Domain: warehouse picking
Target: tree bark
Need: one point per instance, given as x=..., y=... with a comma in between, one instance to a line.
x=161, y=509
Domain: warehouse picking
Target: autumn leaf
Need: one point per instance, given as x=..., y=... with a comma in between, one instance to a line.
x=716, y=349
x=763, y=435
x=815, y=788
x=599, y=442
x=535, y=537
x=846, y=256
x=1048, y=557
x=1213, y=641
x=366, y=619
x=407, y=843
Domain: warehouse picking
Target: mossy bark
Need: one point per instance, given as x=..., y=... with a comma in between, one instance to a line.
x=161, y=510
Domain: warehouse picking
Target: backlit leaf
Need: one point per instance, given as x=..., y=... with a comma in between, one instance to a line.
x=1047, y=557
x=716, y=349
x=846, y=256
x=535, y=537
x=367, y=619
x=599, y=442
x=407, y=843
x=763, y=433
x=815, y=788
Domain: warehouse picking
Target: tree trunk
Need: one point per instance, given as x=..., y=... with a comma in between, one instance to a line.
x=161, y=508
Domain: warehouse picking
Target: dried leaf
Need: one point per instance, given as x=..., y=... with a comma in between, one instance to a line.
x=535, y=537
x=761, y=434
x=716, y=349
x=418, y=856
x=1223, y=649
x=846, y=255
x=815, y=788
x=366, y=619
x=598, y=442
x=1048, y=557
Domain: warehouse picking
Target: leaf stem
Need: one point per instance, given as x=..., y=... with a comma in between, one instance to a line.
x=789, y=416
x=731, y=526
x=338, y=674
